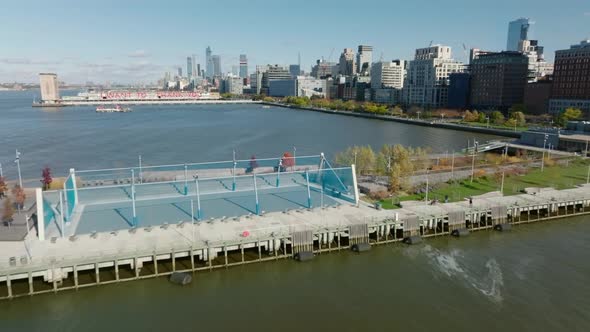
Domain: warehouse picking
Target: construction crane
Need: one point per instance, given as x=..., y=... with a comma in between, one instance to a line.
x=330, y=56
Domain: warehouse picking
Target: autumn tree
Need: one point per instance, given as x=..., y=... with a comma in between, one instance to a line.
x=518, y=117
x=19, y=196
x=497, y=117
x=288, y=160
x=8, y=210
x=362, y=156
x=46, y=178
x=3, y=187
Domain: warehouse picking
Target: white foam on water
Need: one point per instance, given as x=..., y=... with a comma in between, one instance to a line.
x=449, y=264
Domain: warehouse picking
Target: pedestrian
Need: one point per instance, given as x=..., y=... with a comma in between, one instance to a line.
x=446, y=198
x=470, y=201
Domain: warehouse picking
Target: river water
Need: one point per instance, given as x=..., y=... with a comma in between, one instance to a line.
x=535, y=278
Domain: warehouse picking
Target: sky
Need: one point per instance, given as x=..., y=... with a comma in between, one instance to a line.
x=129, y=41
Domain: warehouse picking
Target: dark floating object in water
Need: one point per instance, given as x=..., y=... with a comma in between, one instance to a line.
x=304, y=256
x=460, y=232
x=361, y=247
x=181, y=278
x=413, y=240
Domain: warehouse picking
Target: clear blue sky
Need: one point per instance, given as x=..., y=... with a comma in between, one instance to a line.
x=133, y=41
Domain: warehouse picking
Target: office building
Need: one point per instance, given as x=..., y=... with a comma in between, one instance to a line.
x=459, y=86
x=389, y=74
x=216, y=60
x=324, y=69
x=571, y=78
x=189, y=68
x=233, y=85
x=537, y=94
x=274, y=73
x=364, y=59
x=49, y=88
x=347, y=62
x=179, y=72
x=498, y=80
x=256, y=79
x=284, y=87
x=243, y=66
x=475, y=52
x=208, y=63
x=518, y=30
x=427, y=78
x=310, y=86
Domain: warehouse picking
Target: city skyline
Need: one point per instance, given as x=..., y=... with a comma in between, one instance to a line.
x=124, y=53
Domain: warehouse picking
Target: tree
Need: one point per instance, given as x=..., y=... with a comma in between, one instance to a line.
x=8, y=211
x=3, y=187
x=46, y=178
x=397, y=111
x=19, y=196
x=497, y=117
x=481, y=117
x=288, y=160
x=518, y=117
x=362, y=156
x=395, y=178
x=569, y=114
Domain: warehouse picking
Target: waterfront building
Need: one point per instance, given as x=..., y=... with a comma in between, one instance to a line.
x=256, y=79
x=459, y=85
x=49, y=88
x=537, y=94
x=518, y=30
x=189, y=68
x=324, y=69
x=364, y=59
x=347, y=62
x=209, y=73
x=273, y=73
x=498, y=80
x=282, y=87
x=388, y=74
x=427, y=78
x=243, y=66
x=233, y=85
x=571, y=78
x=216, y=60
x=310, y=86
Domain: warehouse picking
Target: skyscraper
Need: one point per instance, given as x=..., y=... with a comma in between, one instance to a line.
x=216, y=65
x=243, y=66
x=347, y=65
x=194, y=61
x=517, y=30
x=208, y=62
x=179, y=71
x=189, y=68
x=364, y=59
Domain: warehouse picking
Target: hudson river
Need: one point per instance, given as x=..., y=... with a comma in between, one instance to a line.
x=534, y=278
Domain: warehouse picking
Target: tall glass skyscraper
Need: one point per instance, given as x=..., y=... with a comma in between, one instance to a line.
x=208, y=63
x=189, y=67
x=517, y=30
x=243, y=66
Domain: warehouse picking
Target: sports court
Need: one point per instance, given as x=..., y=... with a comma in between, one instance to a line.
x=110, y=200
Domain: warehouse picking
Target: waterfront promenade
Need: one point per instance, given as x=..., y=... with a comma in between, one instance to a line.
x=148, y=102
x=418, y=122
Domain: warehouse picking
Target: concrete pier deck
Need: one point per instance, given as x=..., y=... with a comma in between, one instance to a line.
x=56, y=264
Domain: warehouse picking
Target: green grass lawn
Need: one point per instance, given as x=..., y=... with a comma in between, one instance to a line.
x=559, y=177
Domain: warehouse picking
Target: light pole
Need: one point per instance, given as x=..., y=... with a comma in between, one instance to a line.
x=427, y=186
x=502, y=185
x=418, y=114
x=140, y=173
x=473, y=160
x=543, y=157
x=1, y=174
x=488, y=120
x=17, y=161
x=294, y=157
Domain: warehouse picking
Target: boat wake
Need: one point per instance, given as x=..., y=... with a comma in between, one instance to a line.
x=449, y=264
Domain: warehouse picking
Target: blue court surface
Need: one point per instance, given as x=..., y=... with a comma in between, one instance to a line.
x=111, y=207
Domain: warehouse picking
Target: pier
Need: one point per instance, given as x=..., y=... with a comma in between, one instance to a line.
x=69, y=263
